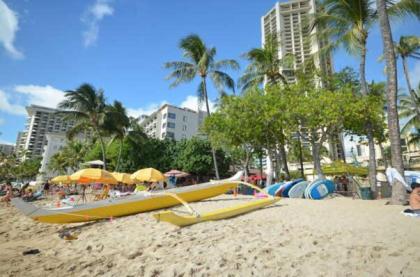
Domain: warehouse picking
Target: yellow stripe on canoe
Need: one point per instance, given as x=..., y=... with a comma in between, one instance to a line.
x=181, y=221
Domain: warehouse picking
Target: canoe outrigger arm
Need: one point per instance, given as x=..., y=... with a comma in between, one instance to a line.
x=195, y=217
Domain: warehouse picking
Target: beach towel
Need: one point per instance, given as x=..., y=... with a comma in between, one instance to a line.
x=393, y=174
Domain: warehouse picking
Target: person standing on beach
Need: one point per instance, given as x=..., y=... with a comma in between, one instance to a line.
x=9, y=194
x=46, y=188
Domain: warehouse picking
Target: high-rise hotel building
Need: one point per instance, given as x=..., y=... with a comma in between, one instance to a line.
x=40, y=121
x=290, y=23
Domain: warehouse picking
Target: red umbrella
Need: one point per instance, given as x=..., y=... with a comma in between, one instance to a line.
x=176, y=173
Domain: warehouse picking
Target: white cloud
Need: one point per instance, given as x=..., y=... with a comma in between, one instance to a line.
x=415, y=75
x=191, y=102
x=92, y=17
x=9, y=25
x=8, y=107
x=136, y=112
x=41, y=95
x=23, y=95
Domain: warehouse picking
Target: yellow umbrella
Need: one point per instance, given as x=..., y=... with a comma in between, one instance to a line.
x=63, y=179
x=148, y=175
x=93, y=175
x=123, y=178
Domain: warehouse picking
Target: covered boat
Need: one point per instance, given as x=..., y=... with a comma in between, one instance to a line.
x=132, y=204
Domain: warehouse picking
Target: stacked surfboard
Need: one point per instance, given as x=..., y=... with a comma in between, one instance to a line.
x=300, y=188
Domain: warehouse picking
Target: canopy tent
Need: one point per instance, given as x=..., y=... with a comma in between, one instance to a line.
x=123, y=178
x=93, y=175
x=148, y=175
x=176, y=173
x=61, y=179
x=340, y=168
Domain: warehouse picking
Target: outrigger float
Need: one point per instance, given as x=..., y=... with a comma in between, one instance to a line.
x=138, y=203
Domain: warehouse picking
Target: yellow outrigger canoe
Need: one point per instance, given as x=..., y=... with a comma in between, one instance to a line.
x=138, y=203
x=181, y=221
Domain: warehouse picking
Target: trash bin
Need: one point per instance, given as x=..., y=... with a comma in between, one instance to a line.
x=366, y=193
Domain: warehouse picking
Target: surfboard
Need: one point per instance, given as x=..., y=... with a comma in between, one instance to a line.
x=273, y=188
x=289, y=185
x=319, y=189
x=298, y=190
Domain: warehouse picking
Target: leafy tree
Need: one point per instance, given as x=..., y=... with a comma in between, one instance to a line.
x=200, y=62
x=28, y=169
x=69, y=158
x=117, y=123
x=264, y=65
x=87, y=106
x=403, y=7
x=408, y=110
x=408, y=47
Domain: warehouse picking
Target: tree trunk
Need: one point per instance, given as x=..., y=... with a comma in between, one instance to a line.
x=119, y=155
x=398, y=191
x=383, y=155
x=317, y=160
x=213, y=152
x=407, y=78
x=103, y=149
x=369, y=129
x=302, y=171
x=283, y=155
x=372, y=160
x=269, y=169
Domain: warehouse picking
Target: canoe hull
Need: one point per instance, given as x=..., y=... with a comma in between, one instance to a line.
x=110, y=208
x=181, y=221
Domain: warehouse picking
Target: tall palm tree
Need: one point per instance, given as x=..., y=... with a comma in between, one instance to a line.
x=264, y=65
x=117, y=123
x=200, y=62
x=405, y=7
x=347, y=22
x=408, y=109
x=408, y=47
x=87, y=107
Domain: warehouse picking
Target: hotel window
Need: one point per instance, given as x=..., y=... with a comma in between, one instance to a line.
x=164, y=116
x=163, y=125
x=184, y=118
x=184, y=128
x=172, y=115
x=359, y=150
x=171, y=125
x=163, y=135
x=170, y=135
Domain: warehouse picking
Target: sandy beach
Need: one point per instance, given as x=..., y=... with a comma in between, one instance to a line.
x=332, y=237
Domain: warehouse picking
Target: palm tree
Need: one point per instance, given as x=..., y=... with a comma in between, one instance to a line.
x=117, y=123
x=200, y=62
x=264, y=65
x=87, y=107
x=405, y=7
x=348, y=22
x=408, y=109
x=408, y=47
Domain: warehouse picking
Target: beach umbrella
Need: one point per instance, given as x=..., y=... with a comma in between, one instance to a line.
x=176, y=173
x=93, y=175
x=61, y=179
x=148, y=175
x=123, y=178
x=339, y=168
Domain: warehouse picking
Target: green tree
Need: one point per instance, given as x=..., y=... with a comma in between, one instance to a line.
x=28, y=169
x=69, y=158
x=408, y=47
x=200, y=62
x=264, y=64
x=408, y=110
x=402, y=8
x=87, y=107
x=117, y=123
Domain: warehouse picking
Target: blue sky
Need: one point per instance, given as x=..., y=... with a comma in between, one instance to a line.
x=50, y=46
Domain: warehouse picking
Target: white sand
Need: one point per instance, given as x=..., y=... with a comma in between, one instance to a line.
x=334, y=237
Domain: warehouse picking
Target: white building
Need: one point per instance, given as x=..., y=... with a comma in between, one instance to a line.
x=173, y=122
x=55, y=142
x=288, y=21
x=7, y=149
x=40, y=121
